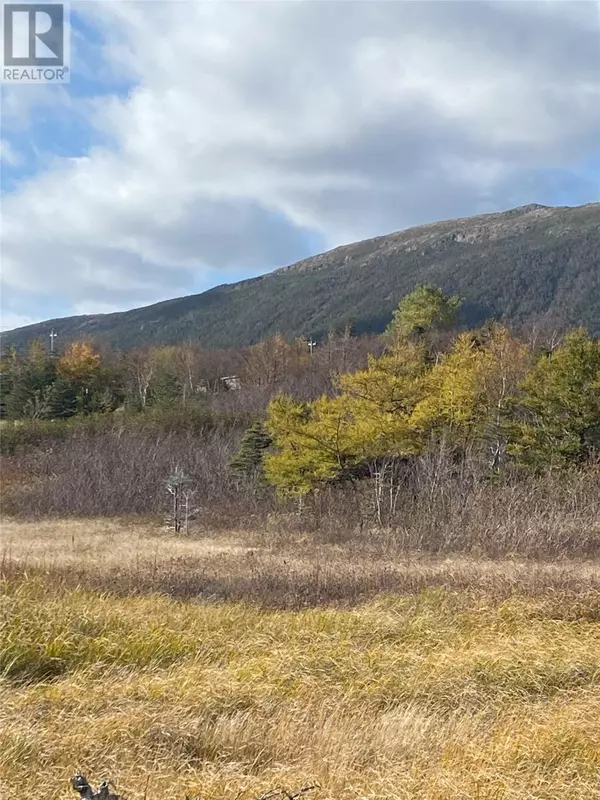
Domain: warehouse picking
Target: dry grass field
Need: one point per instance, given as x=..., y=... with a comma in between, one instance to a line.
x=224, y=667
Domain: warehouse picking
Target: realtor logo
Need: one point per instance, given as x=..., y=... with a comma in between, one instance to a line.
x=36, y=43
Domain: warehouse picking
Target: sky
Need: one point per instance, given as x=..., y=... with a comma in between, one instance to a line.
x=199, y=143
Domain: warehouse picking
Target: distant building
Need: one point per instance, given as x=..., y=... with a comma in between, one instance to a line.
x=231, y=383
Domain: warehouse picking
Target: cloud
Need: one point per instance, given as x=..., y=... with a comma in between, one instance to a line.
x=8, y=154
x=256, y=133
x=10, y=320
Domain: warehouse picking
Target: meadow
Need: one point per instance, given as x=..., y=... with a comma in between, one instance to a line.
x=223, y=666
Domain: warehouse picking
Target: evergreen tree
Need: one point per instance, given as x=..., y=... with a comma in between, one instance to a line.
x=248, y=462
x=61, y=399
x=7, y=372
x=27, y=379
x=424, y=310
x=559, y=409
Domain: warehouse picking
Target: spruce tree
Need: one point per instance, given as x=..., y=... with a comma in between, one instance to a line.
x=560, y=407
x=248, y=463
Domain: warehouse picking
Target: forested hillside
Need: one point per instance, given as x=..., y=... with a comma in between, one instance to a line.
x=532, y=265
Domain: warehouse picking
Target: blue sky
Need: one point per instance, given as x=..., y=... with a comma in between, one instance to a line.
x=199, y=143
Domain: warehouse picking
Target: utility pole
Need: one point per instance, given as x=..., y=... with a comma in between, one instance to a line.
x=311, y=345
x=53, y=336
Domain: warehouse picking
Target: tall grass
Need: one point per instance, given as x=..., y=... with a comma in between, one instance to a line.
x=275, y=572
x=435, y=695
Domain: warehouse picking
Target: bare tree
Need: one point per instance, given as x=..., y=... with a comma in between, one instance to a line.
x=182, y=493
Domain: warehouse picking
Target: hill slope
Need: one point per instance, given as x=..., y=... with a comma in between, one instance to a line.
x=533, y=263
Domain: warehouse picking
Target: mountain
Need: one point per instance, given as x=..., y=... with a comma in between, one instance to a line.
x=531, y=264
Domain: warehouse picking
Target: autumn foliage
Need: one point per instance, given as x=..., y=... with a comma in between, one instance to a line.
x=79, y=364
x=354, y=411
x=489, y=397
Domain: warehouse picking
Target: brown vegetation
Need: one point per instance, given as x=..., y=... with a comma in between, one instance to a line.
x=139, y=558
x=376, y=676
x=122, y=472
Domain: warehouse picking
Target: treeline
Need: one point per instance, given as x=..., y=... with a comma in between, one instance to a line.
x=350, y=406
x=90, y=378
x=482, y=397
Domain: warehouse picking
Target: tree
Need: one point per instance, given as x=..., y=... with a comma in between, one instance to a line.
x=248, y=462
x=425, y=310
x=139, y=372
x=25, y=380
x=313, y=445
x=61, y=399
x=182, y=494
x=8, y=366
x=364, y=431
x=167, y=383
x=161, y=376
x=558, y=414
x=469, y=390
x=188, y=361
x=80, y=364
x=269, y=361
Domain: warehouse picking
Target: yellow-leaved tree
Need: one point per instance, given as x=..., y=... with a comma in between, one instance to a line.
x=369, y=428
x=366, y=430
x=467, y=393
x=80, y=364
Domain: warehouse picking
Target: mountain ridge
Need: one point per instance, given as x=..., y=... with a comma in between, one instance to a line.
x=527, y=264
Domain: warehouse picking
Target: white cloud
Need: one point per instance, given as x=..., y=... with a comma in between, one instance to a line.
x=254, y=128
x=10, y=320
x=8, y=154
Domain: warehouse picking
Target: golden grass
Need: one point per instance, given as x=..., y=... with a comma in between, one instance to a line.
x=111, y=542
x=433, y=694
x=132, y=557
